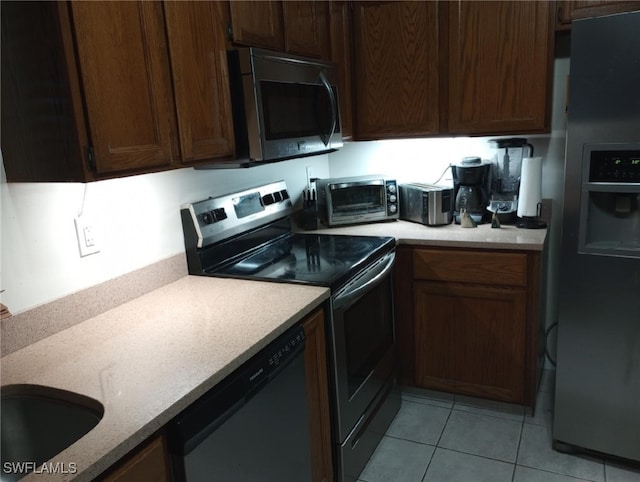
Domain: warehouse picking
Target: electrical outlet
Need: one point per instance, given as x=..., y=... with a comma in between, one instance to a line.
x=86, y=233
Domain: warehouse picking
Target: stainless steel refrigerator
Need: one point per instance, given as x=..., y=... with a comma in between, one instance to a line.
x=597, y=398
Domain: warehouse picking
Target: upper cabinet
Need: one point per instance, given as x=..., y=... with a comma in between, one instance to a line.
x=396, y=69
x=569, y=10
x=340, y=34
x=500, y=67
x=132, y=87
x=465, y=67
x=296, y=27
x=257, y=24
x=126, y=79
x=197, y=45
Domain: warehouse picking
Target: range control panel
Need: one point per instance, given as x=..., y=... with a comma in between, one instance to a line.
x=218, y=218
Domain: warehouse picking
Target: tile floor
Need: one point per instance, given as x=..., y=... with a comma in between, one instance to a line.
x=438, y=437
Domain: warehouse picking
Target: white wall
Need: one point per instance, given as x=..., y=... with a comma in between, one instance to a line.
x=137, y=218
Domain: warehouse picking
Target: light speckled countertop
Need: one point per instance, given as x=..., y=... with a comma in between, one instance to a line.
x=451, y=235
x=148, y=359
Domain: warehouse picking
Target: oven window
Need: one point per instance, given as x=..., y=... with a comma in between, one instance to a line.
x=358, y=199
x=294, y=110
x=369, y=333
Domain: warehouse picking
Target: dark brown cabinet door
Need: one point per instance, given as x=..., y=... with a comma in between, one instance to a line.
x=500, y=56
x=196, y=32
x=471, y=339
x=568, y=10
x=396, y=69
x=306, y=28
x=318, y=395
x=340, y=33
x=126, y=80
x=257, y=23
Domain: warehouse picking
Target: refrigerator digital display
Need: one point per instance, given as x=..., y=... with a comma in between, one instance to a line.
x=615, y=166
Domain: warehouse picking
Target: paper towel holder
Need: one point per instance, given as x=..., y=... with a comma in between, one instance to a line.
x=532, y=222
x=530, y=195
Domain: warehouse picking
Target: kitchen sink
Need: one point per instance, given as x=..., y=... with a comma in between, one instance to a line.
x=38, y=422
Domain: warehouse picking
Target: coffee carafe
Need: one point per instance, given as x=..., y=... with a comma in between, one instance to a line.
x=506, y=170
x=471, y=188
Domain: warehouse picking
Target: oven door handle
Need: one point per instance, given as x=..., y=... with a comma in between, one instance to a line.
x=367, y=280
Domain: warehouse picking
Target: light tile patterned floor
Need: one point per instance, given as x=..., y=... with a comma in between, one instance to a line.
x=437, y=437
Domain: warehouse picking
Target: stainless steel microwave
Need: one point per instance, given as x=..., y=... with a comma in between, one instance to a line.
x=284, y=106
x=360, y=199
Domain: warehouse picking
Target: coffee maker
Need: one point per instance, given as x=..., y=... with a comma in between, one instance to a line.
x=471, y=179
x=506, y=170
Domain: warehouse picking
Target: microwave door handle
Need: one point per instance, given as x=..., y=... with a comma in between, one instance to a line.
x=334, y=107
x=375, y=275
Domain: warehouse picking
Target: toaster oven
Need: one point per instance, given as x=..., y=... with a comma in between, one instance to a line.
x=359, y=199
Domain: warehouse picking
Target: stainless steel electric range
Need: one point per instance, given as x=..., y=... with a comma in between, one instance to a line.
x=249, y=235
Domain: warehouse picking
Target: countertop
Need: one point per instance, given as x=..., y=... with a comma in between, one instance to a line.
x=151, y=357
x=148, y=359
x=451, y=235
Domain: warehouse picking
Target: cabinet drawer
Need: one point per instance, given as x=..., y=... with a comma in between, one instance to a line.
x=470, y=266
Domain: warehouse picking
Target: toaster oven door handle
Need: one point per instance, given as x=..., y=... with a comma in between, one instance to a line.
x=334, y=109
x=367, y=280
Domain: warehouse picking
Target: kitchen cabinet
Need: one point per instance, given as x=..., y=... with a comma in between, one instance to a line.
x=147, y=463
x=471, y=321
x=296, y=27
x=464, y=67
x=138, y=86
x=500, y=67
x=257, y=24
x=396, y=73
x=568, y=10
x=340, y=35
x=318, y=394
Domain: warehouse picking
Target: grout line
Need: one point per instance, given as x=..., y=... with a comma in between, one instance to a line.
x=444, y=427
x=515, y=465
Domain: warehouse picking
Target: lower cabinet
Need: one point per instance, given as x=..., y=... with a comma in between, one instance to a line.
x=470, y=322
x=318, y=394
x=147, y=463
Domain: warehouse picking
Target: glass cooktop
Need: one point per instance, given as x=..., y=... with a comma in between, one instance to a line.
x=319, y=259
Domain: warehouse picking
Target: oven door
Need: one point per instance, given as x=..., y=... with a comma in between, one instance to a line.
x=352, y=202
x=363, y=341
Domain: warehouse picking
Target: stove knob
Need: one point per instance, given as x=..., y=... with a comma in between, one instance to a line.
x=392, y=208
x=391, y=188
x=208, y=218
x=392, y=198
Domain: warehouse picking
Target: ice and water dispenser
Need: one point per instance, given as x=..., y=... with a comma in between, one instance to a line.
x=610, y=201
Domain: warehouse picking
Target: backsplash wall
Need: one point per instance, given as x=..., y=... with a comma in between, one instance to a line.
x=137, y=221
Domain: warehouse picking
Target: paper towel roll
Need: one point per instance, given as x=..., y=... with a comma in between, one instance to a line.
x=530, y=187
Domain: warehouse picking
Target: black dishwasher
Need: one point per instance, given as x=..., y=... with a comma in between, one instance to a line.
x=251, y=427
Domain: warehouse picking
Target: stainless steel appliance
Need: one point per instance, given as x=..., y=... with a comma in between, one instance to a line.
x=597, y=397
x=248, y=235
x=284, y=105
x=253, y=426
x=358, y=199
x=426, y=204
x=505, y=176
x=471, y=179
